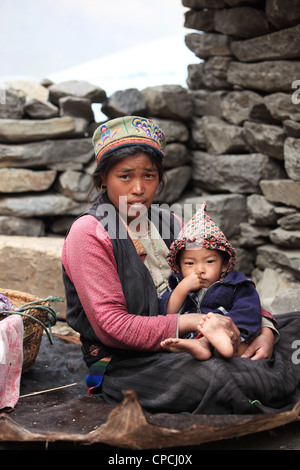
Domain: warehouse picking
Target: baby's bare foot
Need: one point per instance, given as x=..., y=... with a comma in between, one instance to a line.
x=212, y=329
x=197, y=348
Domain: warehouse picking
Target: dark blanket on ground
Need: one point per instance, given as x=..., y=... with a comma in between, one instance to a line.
x=72, y=410
x=176, y=382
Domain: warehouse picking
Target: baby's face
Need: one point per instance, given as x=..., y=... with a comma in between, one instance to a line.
x=208, y=264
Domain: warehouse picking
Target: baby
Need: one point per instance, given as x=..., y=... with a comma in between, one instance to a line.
x=202, y=261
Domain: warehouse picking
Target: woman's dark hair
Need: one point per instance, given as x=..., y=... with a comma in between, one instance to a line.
x=106, y=163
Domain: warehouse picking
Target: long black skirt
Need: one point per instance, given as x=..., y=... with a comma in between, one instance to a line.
x=176, y=382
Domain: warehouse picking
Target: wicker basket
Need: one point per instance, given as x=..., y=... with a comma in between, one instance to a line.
x=33, y=330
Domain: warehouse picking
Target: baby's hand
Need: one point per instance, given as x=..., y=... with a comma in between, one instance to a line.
x=192, y=281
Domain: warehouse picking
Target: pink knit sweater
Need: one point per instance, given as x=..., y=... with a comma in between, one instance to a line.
x=89, y=262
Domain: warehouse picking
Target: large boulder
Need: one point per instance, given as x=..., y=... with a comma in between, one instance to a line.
x=27, y=130
x=20, y=180
x=292, y=158
x=11, y=103
x=283, y=44
x=282, y=191
x=56, y=153
x=33, y=265
x=168, y=101
x=78, y=89
x=128, y=102
x=239, y=173
x=267, y=76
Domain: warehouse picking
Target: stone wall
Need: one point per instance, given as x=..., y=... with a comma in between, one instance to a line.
x=47, y=161
x=246, y=130
x=233, y=140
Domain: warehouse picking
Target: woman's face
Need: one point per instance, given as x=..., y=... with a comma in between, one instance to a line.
x=132, y=184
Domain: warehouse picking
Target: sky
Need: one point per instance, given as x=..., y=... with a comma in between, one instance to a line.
x=115, y=44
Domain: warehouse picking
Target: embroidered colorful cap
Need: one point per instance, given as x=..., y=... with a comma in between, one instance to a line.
x=126, y=131
x=200, y=231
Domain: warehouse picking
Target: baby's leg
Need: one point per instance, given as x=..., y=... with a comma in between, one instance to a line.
x=198, y=348
x=211, y=327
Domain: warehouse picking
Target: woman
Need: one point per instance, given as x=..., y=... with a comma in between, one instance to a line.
x=114, y=268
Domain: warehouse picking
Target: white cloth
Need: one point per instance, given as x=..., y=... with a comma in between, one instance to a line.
x=11, y=360
x=155, y=260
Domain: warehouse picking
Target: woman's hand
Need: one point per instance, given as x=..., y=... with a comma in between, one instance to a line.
x=190, y=321
x=262, y=346
x=231, y=330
